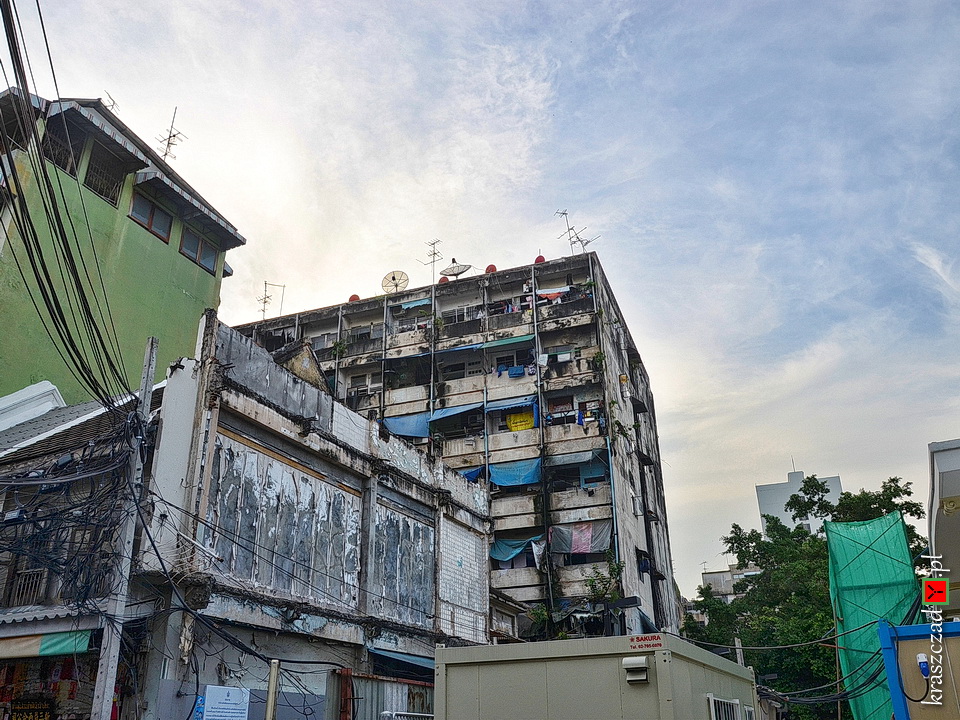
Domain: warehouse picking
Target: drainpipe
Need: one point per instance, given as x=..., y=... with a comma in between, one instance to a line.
x=613, y=502
x=544, y=486
x=383, y=364
x=336, y=356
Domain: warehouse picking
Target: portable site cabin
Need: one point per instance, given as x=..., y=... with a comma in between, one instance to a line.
x=653, y=677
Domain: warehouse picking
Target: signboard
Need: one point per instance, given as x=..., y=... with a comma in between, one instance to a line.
x=226, y=703
x=652, y=641
x=31, y=710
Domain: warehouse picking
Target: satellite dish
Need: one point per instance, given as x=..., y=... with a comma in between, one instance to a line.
x=395, y=282
x=456, y=269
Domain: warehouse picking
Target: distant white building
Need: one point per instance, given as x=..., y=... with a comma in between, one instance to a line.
x=773, y=496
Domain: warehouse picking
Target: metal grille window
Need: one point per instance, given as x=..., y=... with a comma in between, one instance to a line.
x=723, y=709
x=63, y=143
x=29, y=587
x=105, y=173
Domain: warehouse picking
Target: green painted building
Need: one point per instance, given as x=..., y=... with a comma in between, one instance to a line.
x=148, y=241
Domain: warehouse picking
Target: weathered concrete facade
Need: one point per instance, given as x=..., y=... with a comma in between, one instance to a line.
x=528, y=378
x=291, y=516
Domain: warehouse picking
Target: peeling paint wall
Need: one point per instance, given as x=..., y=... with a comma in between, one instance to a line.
x=280, y=528
x=402, y=569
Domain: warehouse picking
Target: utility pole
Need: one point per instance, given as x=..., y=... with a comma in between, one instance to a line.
x=117, y=602
x=273, y=687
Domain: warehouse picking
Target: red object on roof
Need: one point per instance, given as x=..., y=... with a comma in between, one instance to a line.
x=540, y=259
x=444, y=279
x=354, y=298
x=491, y=268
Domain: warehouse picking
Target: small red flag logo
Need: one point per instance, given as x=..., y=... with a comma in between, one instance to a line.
x=936, y=591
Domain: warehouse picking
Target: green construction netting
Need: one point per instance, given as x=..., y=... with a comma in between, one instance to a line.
x=871, y=577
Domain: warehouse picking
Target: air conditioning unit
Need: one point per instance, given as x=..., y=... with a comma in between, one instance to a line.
x=374, y=389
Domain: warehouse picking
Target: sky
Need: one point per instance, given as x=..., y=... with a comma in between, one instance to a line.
x=774, y=186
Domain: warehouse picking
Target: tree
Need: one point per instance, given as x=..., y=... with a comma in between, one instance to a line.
x=788, y=603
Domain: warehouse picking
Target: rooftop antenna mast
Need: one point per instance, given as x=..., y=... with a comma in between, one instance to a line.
x=265, y=299
x=170, y=140
x=112, y=105
x=573, y=235
x=433, y=254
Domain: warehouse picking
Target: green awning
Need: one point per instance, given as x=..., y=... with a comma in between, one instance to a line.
x=507, y=341
x=62, y=643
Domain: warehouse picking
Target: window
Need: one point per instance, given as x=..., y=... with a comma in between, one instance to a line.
x=105, y=173
x=63, y=144
x=202, y=252
x=152, y=217
x=723, y=709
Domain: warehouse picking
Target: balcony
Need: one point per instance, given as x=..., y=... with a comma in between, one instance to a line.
x=458, y=329
x=583, y=305
x=510, y=320
x=407, y=394
x=573, y=438
x=463, y=452
x=412, y=342
x=363, y=347
x=500, y=388
x=523, y=584
x=461, y=391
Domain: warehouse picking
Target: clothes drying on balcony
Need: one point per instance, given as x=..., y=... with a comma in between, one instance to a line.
x=519, y=472
x=409, y=425
x=585, y=537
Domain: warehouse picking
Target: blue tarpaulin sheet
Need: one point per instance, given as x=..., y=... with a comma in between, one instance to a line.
x=409, y=425
x=414, y=303
x=456, y=410
x=471, y=474
x=508, y=549
x=521, y=472
x=511, y=403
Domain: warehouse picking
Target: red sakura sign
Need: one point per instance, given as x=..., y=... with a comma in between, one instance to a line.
x=646, y=642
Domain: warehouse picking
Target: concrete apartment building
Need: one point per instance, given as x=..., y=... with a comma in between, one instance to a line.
x=528, y=379
x=773, y=496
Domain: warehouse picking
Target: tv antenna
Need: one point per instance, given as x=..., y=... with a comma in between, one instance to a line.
x=265, y=299
x=394, y=282
x=456, y=269
x=433, y=254
x=170, y=140
x=573, y=235
x=112, y=105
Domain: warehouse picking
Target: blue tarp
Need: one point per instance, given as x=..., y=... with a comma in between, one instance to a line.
x=521, y=472
x=471, y=474
x=511, y=403
x=404, y=657
x=409, y=425
x=508, y=549
x=414, y=303
x=450, y=411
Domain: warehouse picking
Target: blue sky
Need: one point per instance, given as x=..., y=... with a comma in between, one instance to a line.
x=775, y=186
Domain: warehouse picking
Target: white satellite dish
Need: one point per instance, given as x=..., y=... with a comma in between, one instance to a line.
x=395, y=282
x=456, y=269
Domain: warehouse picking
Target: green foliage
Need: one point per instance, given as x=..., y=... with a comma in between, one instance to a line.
x=599, y=360
x=605, y=586
x=339, y=348
x=789, y=601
